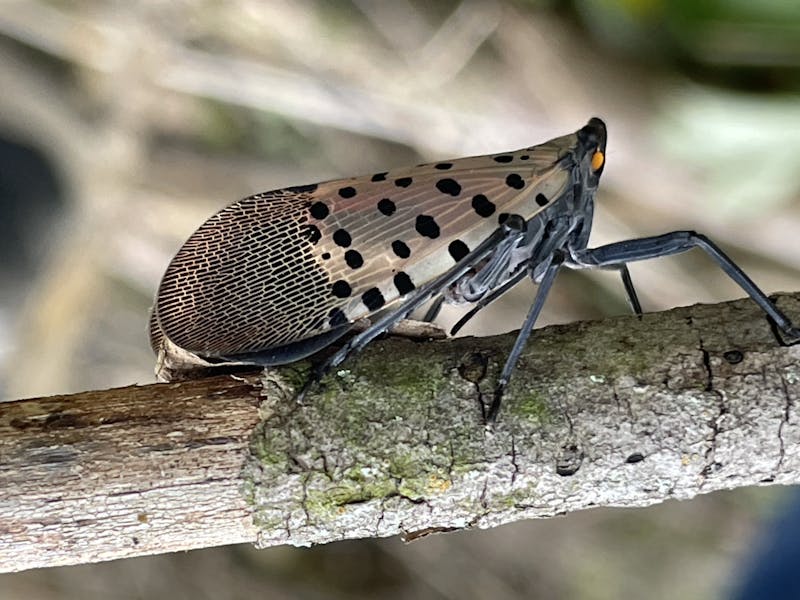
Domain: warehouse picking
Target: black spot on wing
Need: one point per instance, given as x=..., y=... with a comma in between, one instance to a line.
x=353, y=259
x=448, y=186
x=515, y=181
x=504, y=158
x=541, y=199
x=458, y=250
x=373, y=299
x=319, y=210
x=342, y=238
x=483, y=206
x=403, y=283
x=347, y=192
x=301, y=189
x=403, y=182
x=443, y=166
x=379, y=177
x=400, y=249
x=426, y=226
x=386, y=207
x=341, y=289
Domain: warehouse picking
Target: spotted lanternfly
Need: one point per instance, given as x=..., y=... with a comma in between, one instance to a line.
x=277, y=276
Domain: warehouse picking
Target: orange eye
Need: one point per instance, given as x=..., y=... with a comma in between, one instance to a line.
x=597, y=160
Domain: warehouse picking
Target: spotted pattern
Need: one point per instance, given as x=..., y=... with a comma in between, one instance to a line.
x=427, y=226
x=403, y=283
x=342, y=238
x=448, y=186
x=312, y=233
x=354, y=259
x=401, y=249
x=515, y=181
x=483, y=206
x=341, y=289
x=373, y=299
x=319, y=210
x=289, y=265
x=386, y=207
x=458, y=250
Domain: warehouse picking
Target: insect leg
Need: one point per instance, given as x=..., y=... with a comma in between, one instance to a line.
x=434, y=310
x=630, y=291
x=524, y=333
x=676, y=242
x=512, y=227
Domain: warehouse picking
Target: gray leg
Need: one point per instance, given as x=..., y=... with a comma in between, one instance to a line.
x=630, y=291
x=619, y=253
x=433, y=310
x=546, y=283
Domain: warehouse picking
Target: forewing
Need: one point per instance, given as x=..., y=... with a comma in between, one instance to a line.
x=286, y=265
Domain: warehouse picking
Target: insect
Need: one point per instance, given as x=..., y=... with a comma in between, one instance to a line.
x=280, y=275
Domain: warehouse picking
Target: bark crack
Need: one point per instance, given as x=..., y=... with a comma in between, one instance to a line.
x=381, y=516
x=515, y=472
x=787, y=409
x=711, y=463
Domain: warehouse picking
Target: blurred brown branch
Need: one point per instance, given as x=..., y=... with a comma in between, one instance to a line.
x=620, y=412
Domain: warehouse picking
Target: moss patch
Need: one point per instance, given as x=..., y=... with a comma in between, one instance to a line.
x=270, y=447
x=420, y=377
x=295, y=375
x=530, y=405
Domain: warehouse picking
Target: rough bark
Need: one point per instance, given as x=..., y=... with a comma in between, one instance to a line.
x=620, y=412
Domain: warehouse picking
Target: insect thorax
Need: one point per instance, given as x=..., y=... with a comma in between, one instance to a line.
x=564, y=224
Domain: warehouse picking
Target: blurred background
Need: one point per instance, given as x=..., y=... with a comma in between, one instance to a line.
x=123, y=126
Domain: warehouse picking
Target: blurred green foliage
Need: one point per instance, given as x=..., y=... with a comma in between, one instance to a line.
x=743, y=43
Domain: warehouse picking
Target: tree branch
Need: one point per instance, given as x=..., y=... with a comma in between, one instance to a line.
x=621, y=412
